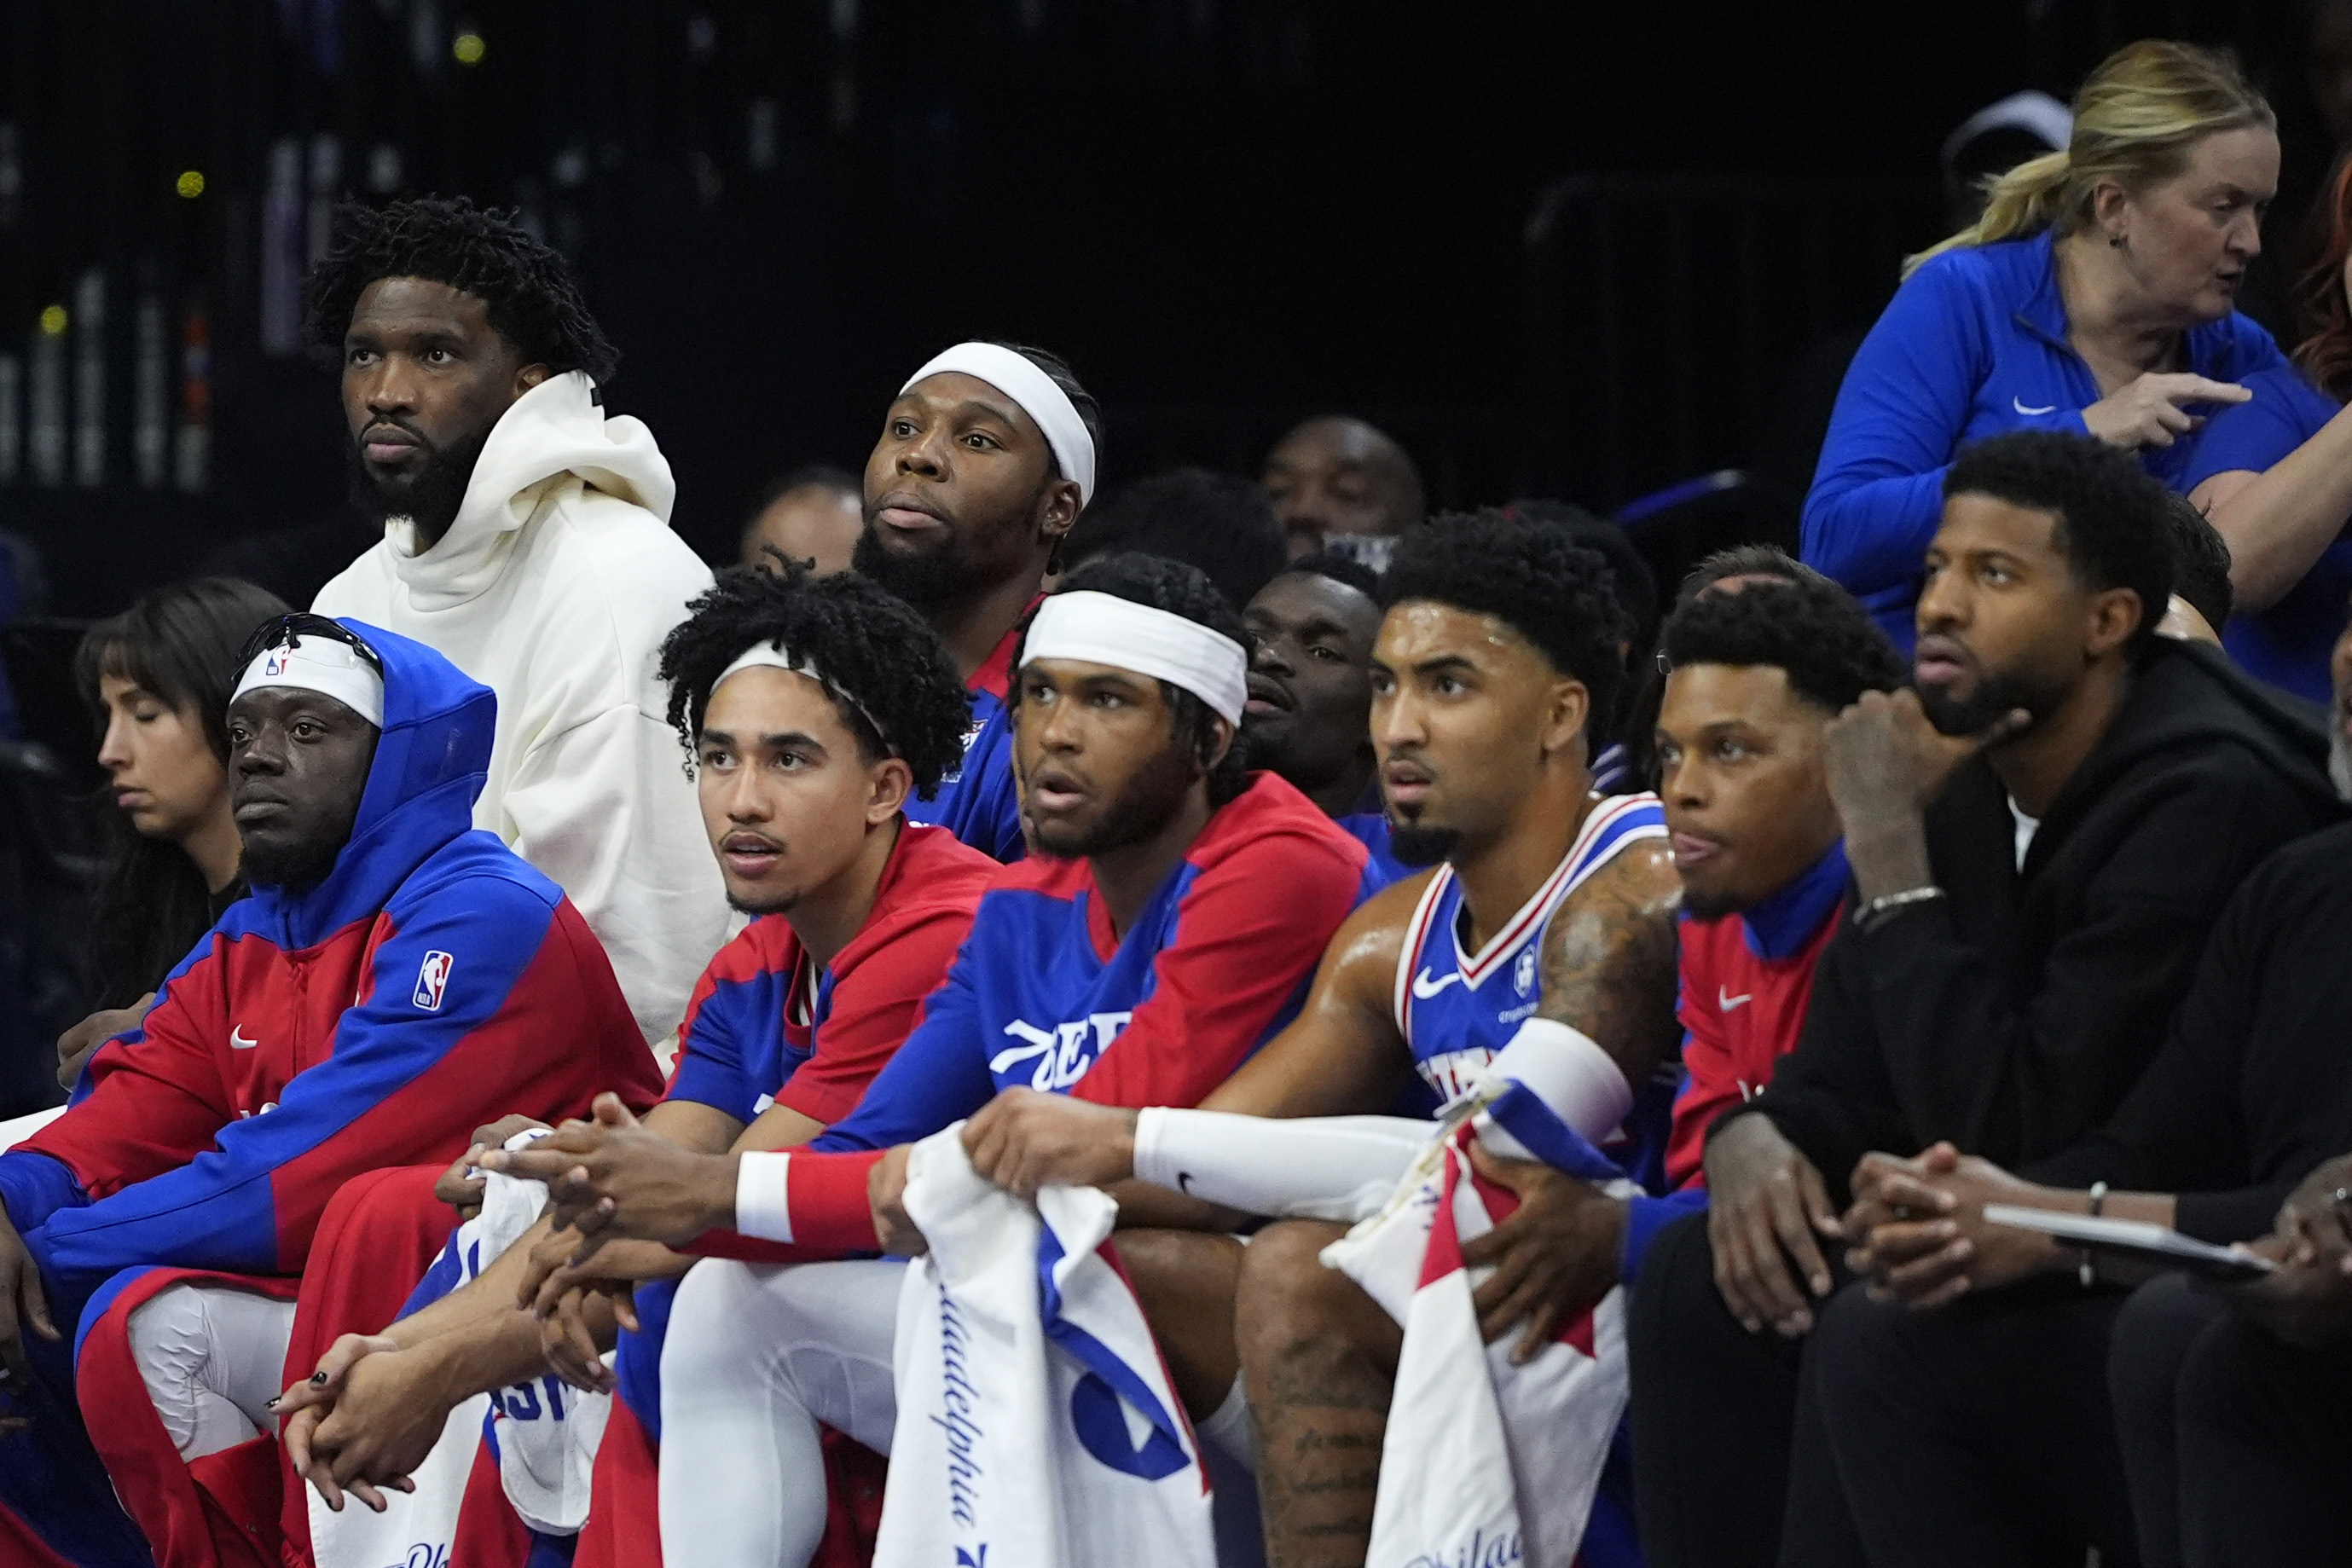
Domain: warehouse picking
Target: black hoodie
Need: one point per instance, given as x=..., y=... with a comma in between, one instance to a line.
x=2012, y=1015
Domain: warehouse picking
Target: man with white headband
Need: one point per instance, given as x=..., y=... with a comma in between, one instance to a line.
x=1168, y=925
x=987, y=457
x=1549, y=925
x=815, y=712
x=394, y=980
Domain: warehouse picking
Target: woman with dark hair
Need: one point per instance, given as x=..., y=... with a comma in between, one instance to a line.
x=2273, y=475
x=157, y=680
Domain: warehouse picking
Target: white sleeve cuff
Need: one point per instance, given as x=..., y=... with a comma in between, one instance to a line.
x=762, y=1196
x=1567, y=1071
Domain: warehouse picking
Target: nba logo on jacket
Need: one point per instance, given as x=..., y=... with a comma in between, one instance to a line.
x=432, y=979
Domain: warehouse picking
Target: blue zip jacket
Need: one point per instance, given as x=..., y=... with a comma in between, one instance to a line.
x=432, y=982
x=1973, y=345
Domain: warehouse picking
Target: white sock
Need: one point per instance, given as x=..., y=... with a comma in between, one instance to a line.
x=1228, y=1426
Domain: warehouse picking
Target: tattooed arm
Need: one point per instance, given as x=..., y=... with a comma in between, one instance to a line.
x=1609, y=972
x=1608, y=960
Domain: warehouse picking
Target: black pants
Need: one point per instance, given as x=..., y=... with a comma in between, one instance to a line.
x=1979, y=1436
x=1726, y=1448
x=2239, y=1448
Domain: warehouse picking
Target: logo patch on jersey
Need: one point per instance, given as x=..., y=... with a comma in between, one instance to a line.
x=1522, y=973
x=237, y=1040
x=1062, y=1053
x=1426, y=985
x=432, y=981
x=1725, y=1001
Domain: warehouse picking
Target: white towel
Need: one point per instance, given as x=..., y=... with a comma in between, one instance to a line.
x=1484, y=1463
x=1036, y=1426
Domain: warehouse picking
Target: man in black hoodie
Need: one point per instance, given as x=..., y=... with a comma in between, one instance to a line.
x=2042, y=839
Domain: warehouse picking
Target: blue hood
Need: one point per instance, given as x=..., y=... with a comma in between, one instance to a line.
x=431, y=762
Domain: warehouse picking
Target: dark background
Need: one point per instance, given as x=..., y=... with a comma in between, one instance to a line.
x=1225, y=214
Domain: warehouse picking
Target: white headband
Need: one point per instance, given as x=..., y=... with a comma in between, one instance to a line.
x=1018, y=377
x=320, y=665
x=1104, y=629
x=770, y=656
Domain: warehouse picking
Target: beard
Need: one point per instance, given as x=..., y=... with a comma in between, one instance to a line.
x=429, y=497
x=1995, y=697
x=294, y=868
x=1415, y=845
x=2339, y=762
x=1138, y=812
x=926, y=579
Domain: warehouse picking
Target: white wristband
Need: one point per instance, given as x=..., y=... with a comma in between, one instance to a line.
x=1567, y=1071
x=762, y=1196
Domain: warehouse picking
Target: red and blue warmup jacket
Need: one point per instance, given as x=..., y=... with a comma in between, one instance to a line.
x=431, y=983
x=767, y=1027
x=979, y=802
x=1745, y=980
x=1046, y=995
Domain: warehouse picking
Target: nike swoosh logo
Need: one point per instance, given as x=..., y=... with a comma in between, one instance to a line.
x=1424, y=987
x=1184, y=1182
x=2019, y=403
x=236, y=1039
x=1726, y=1000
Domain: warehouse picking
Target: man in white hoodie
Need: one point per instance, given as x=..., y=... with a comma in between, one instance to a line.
x=527, y=539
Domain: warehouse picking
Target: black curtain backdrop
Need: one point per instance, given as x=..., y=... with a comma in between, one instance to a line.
x=1226, y=215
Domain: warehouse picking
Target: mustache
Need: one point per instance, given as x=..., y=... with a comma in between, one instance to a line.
x=392, y=421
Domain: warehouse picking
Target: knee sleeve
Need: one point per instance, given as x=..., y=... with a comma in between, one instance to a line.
x=212, y=1359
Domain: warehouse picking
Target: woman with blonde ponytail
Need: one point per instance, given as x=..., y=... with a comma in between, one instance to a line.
x=2097, y=294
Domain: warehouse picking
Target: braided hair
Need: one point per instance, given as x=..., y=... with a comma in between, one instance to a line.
x=534, y=300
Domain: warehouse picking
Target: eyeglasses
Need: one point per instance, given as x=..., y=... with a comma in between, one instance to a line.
x=288, y=631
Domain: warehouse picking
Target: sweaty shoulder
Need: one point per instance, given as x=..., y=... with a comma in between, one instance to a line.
x=1364, y=953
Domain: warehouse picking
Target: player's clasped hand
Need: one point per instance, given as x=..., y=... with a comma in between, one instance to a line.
x=317, y=1450
x=1024, y=1140
x=1767, y=1213
x=610, y=1178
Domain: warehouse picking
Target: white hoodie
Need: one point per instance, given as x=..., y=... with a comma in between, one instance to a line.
x=554, y=588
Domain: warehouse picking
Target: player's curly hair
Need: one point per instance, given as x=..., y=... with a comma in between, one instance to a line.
x=534, y=301
x=1181, y=590
x=1809, y=627
x=882, y=662
x=1530, y=575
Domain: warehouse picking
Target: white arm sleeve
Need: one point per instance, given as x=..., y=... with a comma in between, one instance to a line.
x=1566, y=1071
x=1314, y=1167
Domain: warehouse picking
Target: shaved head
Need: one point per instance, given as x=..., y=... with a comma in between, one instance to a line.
x=1340, y=475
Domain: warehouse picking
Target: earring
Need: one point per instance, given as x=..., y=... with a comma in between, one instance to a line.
x=2117, y=241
